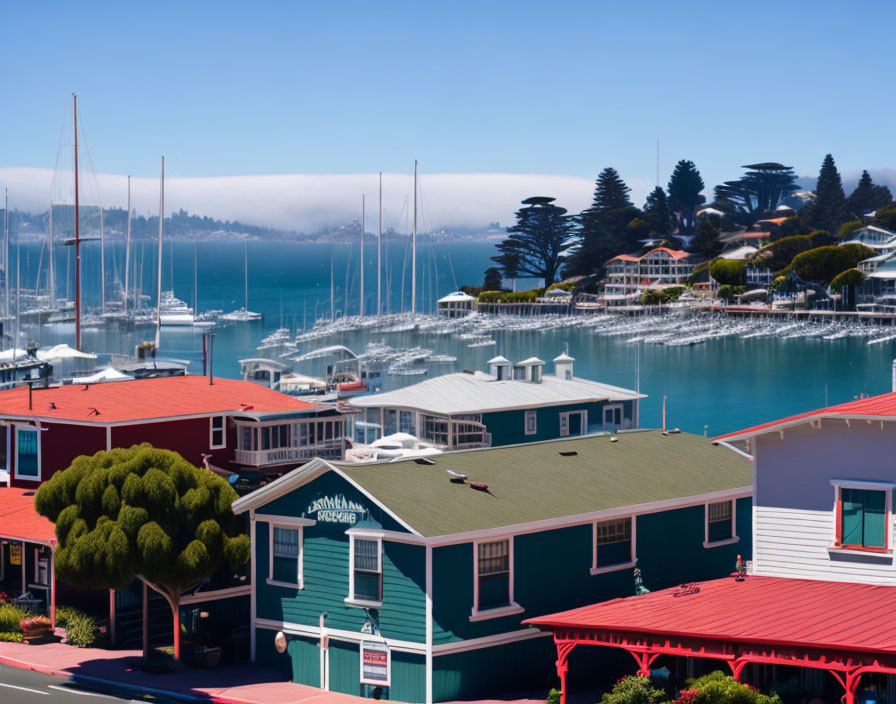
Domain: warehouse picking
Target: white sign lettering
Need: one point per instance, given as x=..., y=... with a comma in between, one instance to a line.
x=336, y=509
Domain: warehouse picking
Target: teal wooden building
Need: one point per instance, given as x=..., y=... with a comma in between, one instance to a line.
x=512, y=403
x=409, y=580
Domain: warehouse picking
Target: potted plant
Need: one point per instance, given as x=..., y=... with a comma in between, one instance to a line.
x=35, y=627
x=206, y=656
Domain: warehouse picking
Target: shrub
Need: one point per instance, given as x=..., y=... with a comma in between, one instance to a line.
x=850, y=277
x=728, y=271
x=634, y=690
x=34, y=622
x=64, y=613
x=553, y=697
x=718, y=688
x=847, y=228
x=822, y=264
x=6, y=637
x=510, y=296
x=779, y=254
x=81, y=630
x=700, y=274
x=10, y=616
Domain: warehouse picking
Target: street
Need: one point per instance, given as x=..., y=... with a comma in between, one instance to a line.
x=19, y=686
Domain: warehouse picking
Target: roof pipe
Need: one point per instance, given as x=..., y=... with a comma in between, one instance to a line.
x=893, y=379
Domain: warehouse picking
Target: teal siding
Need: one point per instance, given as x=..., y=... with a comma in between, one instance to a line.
x=408, y=677
x=552, y=569
x=509, y=427
x=266, y=654
x=305, y=656
x=345, y=667
x=497, y=670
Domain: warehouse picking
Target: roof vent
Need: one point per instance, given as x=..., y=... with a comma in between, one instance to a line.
x=467, y=371
x=479, y=486
x=568, y=453
x=424, y=460
x=456, y=477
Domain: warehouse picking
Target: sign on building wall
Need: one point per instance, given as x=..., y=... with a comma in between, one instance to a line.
x=375, y=662
x=15, y=554
x=336, y=509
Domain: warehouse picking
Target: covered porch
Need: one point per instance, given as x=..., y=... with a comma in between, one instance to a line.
x=841, y=628
x=27, y=547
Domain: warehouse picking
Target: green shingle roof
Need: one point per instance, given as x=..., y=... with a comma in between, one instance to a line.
x=535, y=482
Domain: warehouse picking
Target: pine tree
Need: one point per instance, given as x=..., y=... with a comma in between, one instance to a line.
x=684, y=193
x=492, y=279
x=610, y=192
x=867, y=198
x=658, y=213
x=536, y=244
x=828, y=212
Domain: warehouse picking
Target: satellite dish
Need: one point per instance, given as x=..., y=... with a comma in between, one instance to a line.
x=280, y=642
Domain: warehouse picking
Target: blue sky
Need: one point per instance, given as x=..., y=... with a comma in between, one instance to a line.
x=527, y=87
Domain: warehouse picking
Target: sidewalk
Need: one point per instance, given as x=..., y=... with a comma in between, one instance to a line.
x=231, y=684
x=228, y=684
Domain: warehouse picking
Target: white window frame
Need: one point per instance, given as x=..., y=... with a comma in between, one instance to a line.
x=211, y=432
x=27, y=477
x=564, y=423
x=887, y=488
x=8, y=431
x=534, y=416
x=289, y=524
x=621, y=565
x=511, y=608
x=734, y=536
x=351, y=599
x=613, y=407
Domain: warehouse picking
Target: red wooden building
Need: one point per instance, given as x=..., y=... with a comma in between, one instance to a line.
x=239, y=424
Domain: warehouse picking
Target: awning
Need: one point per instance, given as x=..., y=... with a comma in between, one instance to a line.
x=833, y=626
x=20, y=521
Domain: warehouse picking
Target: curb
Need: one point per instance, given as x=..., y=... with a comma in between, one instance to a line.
x=115, y=685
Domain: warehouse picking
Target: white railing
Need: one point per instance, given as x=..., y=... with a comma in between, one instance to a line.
x=330, y=450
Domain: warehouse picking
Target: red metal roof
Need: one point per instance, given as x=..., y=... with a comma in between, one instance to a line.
x=883, y=406
x=19, y=520
x=753, y=235
x=145, y=399
x=767, y=610
x=674, y=253
x=625, y=258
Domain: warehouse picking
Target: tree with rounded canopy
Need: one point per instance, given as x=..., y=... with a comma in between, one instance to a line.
x=729, y=272
x=536, y=244
x=846, y=281
x=141, y=513
x=759, y=191
x=822, y=264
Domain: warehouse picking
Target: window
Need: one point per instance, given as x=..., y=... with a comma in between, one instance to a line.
x=367, y=570
x=286, y=556
x=531, y=423
x=573, y=423
x=863, y=518
x=614, y=545
x=719, y=523
x=41, y=569
x=493, y=574
x=218, y=438
x=27, y=453
x=4, y=448
x=612, y=416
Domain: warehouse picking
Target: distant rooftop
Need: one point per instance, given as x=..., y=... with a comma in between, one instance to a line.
x=148, y=399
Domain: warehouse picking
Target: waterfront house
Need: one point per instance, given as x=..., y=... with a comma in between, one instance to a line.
x=456, y=305
x=511, y=404
x=237, y=425
x=659, y=268
x=823, y=575
x=408, y=580
x=884, y=241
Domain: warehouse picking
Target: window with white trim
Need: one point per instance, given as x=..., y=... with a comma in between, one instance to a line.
x=366, y=583
x=286, y=556
x=493, y=575
x=531, y=423
x=41, y=569
x=613, y=416
x=28, y=453
x=614, y=544
x=720, y=522
x=573, y=423
x=218, y=434
x=863, y=515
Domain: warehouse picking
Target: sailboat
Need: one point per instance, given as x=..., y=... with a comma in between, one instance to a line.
x=243, y=315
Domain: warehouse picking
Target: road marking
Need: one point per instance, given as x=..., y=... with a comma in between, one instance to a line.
x=72, y=690
x=24, y=689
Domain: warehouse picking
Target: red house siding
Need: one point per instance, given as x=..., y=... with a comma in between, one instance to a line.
x=60, y=443
x=190, y=437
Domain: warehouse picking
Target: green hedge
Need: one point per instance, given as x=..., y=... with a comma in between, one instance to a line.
x=850, y=277
x=6, y=637
x=729, y=271
x=10, y=615
x=822, y=264
x=510, y=296
x=81, y=629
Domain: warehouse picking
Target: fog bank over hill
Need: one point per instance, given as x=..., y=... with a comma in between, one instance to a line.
x=308, y=203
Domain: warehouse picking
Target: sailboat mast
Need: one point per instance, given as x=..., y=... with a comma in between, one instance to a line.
x=195, y=277
x=379, y=252
x=77, y=237
x=414, y=248
x=6, y=258
x=127, y=252
x=361, y=264
x=102, y=263
x=159, y=281
x=52, y=269
x=332, y=289
x=246, y=277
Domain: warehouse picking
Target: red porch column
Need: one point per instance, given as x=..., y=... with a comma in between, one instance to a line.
x=564, y=648
x=645, y=660
x=52, y=589
x=737, y=667
x=849, y=682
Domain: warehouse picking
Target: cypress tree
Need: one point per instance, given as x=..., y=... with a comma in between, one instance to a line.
x=828, y=212
x=657, y=212
x=867, y=197
x=610, y=192
x=684, y=193
x=535, y=246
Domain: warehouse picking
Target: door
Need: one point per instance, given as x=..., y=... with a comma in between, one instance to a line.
x=575, y=423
